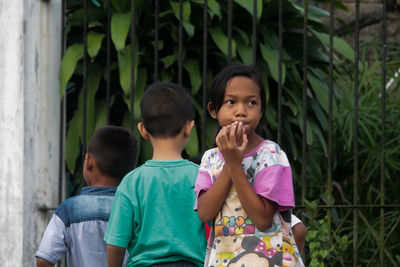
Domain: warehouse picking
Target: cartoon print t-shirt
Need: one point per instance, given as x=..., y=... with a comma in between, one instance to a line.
x=234, y=239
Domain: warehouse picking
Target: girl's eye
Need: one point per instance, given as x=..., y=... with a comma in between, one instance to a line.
x=252, y=102
x=229, y=102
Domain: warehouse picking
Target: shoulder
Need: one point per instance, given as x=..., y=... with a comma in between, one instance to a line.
x=270, y=147
x=63, y=211
x=210, y=155
x=85, y=208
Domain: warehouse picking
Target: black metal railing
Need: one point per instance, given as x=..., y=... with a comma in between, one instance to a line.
x=355, y=207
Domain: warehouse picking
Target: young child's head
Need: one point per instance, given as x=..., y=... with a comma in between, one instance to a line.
x=113, y=150
x=166, y=108
x=238, y=94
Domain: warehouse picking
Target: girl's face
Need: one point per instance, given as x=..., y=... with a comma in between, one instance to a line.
x=241, y=103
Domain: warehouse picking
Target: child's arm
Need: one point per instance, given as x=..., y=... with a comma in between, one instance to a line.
x=115, y=255
x=299, y=232
x=211, y=201
x=259, y=209
x=42, y=263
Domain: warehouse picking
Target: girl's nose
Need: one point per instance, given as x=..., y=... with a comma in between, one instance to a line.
x=240, y=111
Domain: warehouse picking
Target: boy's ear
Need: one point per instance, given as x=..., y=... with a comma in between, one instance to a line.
x=212, y=111
x=89, y=162
x=188, y=128
x=142, y=131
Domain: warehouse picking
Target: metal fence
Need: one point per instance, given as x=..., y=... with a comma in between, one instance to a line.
x=356, y=208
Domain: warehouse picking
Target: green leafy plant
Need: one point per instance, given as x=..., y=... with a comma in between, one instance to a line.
x=267, y=59
x=323, y=250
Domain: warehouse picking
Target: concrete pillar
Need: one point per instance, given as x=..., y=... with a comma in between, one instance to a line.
x=30, y=49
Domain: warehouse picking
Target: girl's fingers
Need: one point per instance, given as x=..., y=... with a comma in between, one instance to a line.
x=239, y=133
x=243, y=145
x=232, y=133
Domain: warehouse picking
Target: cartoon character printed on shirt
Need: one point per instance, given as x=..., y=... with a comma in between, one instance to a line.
x=235, y=222
x=251, y=170
x=223, y=259
x=255, y=253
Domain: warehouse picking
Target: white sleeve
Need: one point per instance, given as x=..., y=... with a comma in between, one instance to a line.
x=53, y=245
x=295, y=220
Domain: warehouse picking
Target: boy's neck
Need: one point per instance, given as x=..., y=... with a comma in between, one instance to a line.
x=167, y=148
x=110, y=182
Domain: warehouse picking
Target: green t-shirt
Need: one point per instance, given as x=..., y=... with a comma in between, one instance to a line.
x=153, y=216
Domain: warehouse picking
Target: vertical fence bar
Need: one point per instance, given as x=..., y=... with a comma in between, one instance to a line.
x=330, y=126
x=131, y=117
x=204, y=103
x=108, y=62
x=279, y=102
x=305, y=65
x=63, y=114
x=383, y=150
x=254, y=37
x=230, y=17
x=85, y=29
x=156, y=25
x=355, y=178
x=63, y=119
x=180, y=53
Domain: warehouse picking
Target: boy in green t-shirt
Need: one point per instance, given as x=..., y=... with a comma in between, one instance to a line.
x=152, y=215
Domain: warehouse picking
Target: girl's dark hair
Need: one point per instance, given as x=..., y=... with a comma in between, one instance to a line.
x=166, y=108
x=114, y=150
x=217, y=89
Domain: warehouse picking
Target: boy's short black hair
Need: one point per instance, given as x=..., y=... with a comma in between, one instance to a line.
x=166, y=108
x=114, y=150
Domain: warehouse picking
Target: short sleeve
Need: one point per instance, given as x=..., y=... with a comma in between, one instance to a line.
x=274, y=181
x=295, y=220
x=53, y=245
x=120, y=225
x=203, y=180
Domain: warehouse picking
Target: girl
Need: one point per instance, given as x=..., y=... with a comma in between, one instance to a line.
x=245, y=184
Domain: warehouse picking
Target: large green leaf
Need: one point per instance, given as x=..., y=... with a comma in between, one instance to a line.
x=124, y=67
x=186, y=9
x=221, y=40
x=271, y=56
x=193, y=68
x=120, y=25
x=168, y=60
x=192, y=147
x=245, y=53
x=314, y=14
x=94, y=40
x=121, y=6
x=146, y=150
x=68, y=64
x=249, y=6
x=321, y=91
x=93, y=82
x=76, y=18
x=189, y=28
x=139, y=90
x=213, y=7
x=73, y=137
x=339, y=45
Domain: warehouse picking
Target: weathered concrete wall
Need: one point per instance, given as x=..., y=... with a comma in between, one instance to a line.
x=370, y=23
x=11, y=132
x=30, y=45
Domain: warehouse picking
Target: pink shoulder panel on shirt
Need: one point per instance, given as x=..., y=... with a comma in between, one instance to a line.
x=275, y=183
x=203, y=182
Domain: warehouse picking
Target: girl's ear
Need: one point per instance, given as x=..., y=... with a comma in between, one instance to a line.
x=213, y=112
x=142, y=131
